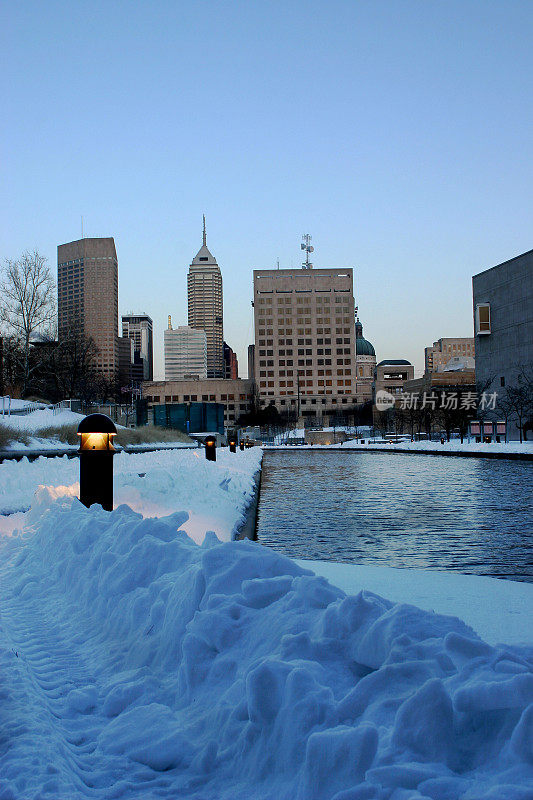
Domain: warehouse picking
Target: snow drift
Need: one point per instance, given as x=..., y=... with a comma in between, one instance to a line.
x=137, y=663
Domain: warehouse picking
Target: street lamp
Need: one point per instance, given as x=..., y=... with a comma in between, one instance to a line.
x=96, y=452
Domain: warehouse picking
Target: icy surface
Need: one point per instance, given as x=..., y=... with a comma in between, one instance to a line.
x=498, y=610
x=138, y=664
x=213, y=494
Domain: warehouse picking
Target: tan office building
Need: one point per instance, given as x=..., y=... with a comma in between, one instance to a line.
x=87, y=296
x=204, y=292
x=305, y=340
x=445, y=349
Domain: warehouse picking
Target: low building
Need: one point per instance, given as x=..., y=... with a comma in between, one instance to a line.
x=444, y=350
x=185, y=353
x=391, y=376
x=235, y=395
x=503, y=327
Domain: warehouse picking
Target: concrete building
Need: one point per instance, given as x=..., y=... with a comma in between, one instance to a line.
x=235, y=395
x=204, y=292
x=503, y=324
x=305, y=340
x=139, y=328
x=445, y=349
x=365, y=364
x=185, y=352
x=391, y=375
x=231, y=364
x=87, y=297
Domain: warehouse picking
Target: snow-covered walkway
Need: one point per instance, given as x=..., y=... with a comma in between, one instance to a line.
x=137, y=664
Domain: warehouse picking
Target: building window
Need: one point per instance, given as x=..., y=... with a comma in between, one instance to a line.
x=483, y=318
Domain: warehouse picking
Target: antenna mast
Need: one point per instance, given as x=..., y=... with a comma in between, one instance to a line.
x=308, y=247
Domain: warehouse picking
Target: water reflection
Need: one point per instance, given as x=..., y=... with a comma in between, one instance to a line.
x=465, y=514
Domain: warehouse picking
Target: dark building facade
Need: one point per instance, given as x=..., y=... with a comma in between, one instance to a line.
x=139, y=327
x=231, y=365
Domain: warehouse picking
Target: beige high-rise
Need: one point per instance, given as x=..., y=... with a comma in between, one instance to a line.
x=87, y=296
x=305, y=340
x=204, y=292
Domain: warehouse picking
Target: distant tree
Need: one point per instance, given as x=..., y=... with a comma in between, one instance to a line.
x=519, y=399
x=27, y=303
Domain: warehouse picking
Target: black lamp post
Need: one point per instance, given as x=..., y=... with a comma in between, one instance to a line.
x=211, y=448
x=232, y=446
x=241, y=444
x=96, y=453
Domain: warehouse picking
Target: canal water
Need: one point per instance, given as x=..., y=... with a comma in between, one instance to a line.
x=471, y=515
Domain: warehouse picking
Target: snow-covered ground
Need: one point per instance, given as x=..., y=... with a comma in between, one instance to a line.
x=43, y=418
x=454, y=446
x=212, y=495
x=138, y=664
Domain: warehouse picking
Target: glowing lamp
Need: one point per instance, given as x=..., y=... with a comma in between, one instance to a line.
x=96, y=432
x=232, y=446
x=211, y=448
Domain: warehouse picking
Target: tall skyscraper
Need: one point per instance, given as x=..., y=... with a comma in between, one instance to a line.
x=204, y=291
x=305, y=340
x=139, y=327
x=185, y=353
x=87, y=296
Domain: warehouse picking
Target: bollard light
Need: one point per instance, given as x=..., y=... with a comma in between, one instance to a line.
x=211, y=448
x=232, y=446
x=249, y=443
x=96, y=432
x=241, y=444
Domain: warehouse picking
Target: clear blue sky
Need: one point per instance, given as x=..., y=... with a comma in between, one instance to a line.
x=399, y=134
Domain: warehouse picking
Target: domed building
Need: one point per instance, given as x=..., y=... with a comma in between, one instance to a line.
x=365, y=363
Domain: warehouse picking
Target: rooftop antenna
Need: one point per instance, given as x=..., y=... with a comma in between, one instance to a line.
x=204, y=234
x=278, y=263
x=308, y=247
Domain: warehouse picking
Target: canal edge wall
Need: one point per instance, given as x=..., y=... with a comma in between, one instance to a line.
x=247, y=528
x=460, y=453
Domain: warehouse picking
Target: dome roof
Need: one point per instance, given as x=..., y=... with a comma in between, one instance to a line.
x=363, y=347
x=395, y=362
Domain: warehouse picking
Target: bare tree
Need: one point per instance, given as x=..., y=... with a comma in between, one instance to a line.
x=519, y=399
x=27, y=302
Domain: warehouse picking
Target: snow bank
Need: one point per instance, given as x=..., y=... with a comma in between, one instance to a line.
x=44, y=418
x=214, y=495
x=139, y=664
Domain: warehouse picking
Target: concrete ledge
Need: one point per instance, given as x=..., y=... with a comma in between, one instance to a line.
x=247, y=529
x=377, y=449
x=72, y=451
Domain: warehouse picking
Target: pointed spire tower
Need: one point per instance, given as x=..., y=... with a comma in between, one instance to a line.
x=204, y=291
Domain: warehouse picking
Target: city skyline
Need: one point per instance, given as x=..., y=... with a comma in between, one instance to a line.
x=402, y=146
